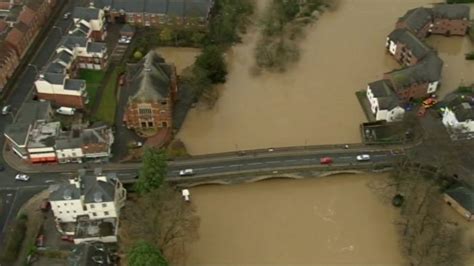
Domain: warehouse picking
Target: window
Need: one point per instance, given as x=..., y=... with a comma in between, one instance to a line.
x=67, y=211
x=60, y=212
x=94, y=214
x=74, y=211
x=92, y=206
x=106, y=213
x=65, y=203
x=144, y=111
x=104, y=205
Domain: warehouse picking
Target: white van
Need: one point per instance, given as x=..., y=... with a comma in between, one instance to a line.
x=66, y=111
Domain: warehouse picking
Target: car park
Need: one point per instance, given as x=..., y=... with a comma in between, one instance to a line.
x=186, y=172
x=22, y=177
x=363, y=157
x=326, y=160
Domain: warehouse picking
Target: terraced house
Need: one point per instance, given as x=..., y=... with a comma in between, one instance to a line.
x=156, y=13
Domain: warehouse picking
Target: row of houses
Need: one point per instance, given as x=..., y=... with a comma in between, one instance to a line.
x=81, y=48
x=18, y=32
x=420, y=75
x=156, y=13
x=37, y=138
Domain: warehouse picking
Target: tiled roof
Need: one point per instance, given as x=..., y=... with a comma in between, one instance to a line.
x=74, y=84
x=415, y=45
x=417, y=18
x=451, y=11
x=86, y=13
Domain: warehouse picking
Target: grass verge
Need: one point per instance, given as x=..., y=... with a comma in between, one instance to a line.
x=108, y=102
x=15, y=240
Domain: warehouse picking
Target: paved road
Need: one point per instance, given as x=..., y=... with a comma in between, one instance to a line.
x=14, y=194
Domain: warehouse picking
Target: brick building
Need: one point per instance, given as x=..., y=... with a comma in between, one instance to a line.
x=155, y=83
x=417, y=81
x=156, y=13
x=417, y=20
x=450, y=20
x=93, y=19
x=9, y=61
x=405, y=47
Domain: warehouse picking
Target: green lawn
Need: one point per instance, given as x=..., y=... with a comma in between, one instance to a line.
x=107, y=106
x=93, y=80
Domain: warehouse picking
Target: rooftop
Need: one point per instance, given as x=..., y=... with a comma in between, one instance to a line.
x=417, y=18
x=44, y=135
x=451, y=11
x=418, y=48
x=464, y=196
x=86, y=13
x=75, y=84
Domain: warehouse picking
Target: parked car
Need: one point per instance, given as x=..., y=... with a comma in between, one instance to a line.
x=22, y=177
x=67, y=15
x=363, y=157
x=67, y=238
x=66, y=111
x=125, y=39
x=186, y=172
x=326, y=160
x=6, y=109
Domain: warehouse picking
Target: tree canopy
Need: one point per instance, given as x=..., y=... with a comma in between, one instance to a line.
x=153, y=172
x=212, y=61
x=144, y=254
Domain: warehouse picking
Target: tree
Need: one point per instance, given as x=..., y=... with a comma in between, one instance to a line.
x=166, y=35
x=153, y=172
x=144, y=254
x=161, y=218
x=137, y=55
x=212, y=61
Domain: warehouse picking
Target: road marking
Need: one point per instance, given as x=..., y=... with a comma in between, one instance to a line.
x=274, y=162
x=309, y=159
x=345, y=157
x=9, y=213
x=254, y=163
x=235, y=165
x=290, y=161
x=217, y=167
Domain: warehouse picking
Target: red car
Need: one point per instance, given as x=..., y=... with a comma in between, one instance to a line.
x=67, y=238
x=326, y=160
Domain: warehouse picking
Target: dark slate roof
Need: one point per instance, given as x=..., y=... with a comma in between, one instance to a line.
x=73, y=41
x=102, y=3
x=453, y=11
x=428, y=70
x=464, y=196
x=54, y=78
x=68, y=143
x=175, y=8
x=96, y=191
x=151, y=78
x=55, y=67
x=155, y=6
x=33, y=111
x=65, y=192
x=383, y=91
x=197, y=8
x=417, y=18
x=415, y=45
x=64, y=56
x=96, y=47
x=74, y=84
x=463, y=112
x=381, y=88
x=85, y=13
x=128, y=6
x=18, y=132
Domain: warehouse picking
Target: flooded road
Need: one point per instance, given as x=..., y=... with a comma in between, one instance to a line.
x=313, y=102
x=333, y=220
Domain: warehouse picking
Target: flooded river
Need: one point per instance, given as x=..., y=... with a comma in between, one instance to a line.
x=327, y=221
x=314, y=102
x=333, y=220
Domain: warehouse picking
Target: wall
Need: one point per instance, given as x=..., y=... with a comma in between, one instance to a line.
x=450, y=27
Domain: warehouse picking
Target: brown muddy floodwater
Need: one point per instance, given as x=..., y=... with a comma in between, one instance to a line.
x=327, y=221
x=314, y=102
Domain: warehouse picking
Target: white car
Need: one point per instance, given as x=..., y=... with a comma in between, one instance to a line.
x=6, y=109
x=363, y=157
x=125, y=40
x=22, y=177
x=186, y=172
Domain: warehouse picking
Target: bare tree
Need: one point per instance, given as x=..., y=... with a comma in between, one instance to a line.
x=161, y=218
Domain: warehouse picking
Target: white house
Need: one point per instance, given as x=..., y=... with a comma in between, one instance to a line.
x=94, y=18
x=93, y=197
x=384, y=103
x=459, y=118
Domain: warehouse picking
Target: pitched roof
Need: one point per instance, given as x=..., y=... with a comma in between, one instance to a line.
x=70, y=42
x=428, y=70
x=151, y=78
x=74, y=84
x=27, y=15
x=98, y=189
x=464, y=196
x=415, y=45
x=463, y=112
x=383, y=91
x=197, y=8
x=416, y=18
x=65, y=192
x=96, y=47
x=86, y=13
x=191, y=8
x=54, y=78
x=451, y=11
